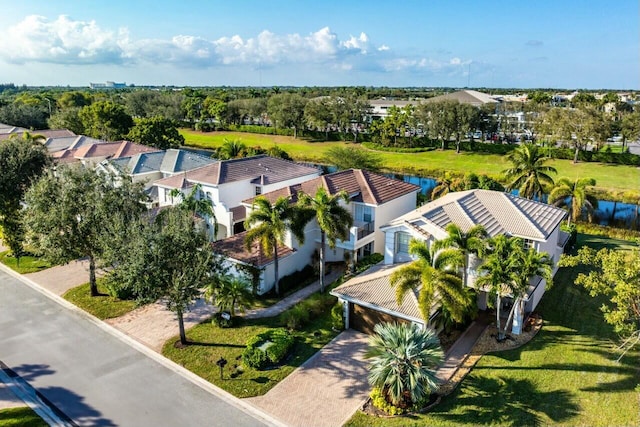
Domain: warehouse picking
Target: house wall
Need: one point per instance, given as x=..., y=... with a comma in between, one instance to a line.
x=386, y=212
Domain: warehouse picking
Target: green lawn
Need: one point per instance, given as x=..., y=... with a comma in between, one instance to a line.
x=614, y=177
x=567, y=375
x=28, y=264
x=103, y=307
x=209, y=343
x=20, y=417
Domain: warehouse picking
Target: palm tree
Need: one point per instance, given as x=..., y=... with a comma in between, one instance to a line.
x=434, y=276
x=230, y=292
x=268, y=224
x=404, y=359
x=473, y=241
x=197, y=205
x=528, y=172
x=333, y=219
x=577, y=192
x=530, y=263
x=230, y=149
x=443, y=187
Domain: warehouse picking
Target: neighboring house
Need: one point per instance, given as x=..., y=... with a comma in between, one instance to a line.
x=7, y=131
x=90, y=154
x=380, y=107
x=537, y=224
x=150, y=167
x=374, y=200
x=471, y=97
x=228, y=182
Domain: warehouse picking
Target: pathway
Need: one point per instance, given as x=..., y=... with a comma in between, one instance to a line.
x=461, y=349
x=326, y=390
x=61, y=278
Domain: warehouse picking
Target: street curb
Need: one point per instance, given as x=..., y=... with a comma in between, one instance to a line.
x=180, y=370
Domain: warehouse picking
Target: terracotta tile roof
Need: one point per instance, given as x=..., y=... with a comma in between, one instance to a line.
x=498, y=212
x=259, y=169
x=234, y=248
x=112, y=150
x=362, y=186
x=128, y=149
x=239, y=213
x=47, y=133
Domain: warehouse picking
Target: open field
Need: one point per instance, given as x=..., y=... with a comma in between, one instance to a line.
x=613, y=177
x=567, y=375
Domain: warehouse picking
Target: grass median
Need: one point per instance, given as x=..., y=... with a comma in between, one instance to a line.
x=103, y=306
x=607, y=176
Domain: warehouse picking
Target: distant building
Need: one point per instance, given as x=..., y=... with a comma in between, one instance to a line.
x=107, y=85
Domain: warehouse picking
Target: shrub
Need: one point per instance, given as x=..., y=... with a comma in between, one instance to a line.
x=573, y=235
x=368, y=261
x=337, y=316
x=379, y=400
x=298, y=279
x=222, y=322
x=611, y=232
x=255, y=357
x=296, y=317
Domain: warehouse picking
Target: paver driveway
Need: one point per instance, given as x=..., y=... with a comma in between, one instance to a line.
x=326, y=390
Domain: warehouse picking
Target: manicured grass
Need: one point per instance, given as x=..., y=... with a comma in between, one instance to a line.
x=209, y=343
x=567, y=375
x=28, y=264
x=618, y=177
x=103, y=306
x=20, y=417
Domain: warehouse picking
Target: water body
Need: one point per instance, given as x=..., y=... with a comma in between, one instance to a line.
x=620, y=214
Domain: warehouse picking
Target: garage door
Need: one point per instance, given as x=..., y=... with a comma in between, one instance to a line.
x=364, y=319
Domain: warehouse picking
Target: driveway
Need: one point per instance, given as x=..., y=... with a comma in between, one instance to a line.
x=326, y=390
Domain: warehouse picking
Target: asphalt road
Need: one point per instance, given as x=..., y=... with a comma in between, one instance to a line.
x=94, y=377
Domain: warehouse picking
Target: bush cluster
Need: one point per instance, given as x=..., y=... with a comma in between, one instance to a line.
x=378, y=399
x=337, y=317
x=221, y=322
x=298, y=316
x=297, y=280
x=254, y=357
x=610, y=232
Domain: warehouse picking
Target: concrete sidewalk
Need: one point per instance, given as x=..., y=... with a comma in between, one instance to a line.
x=460, y=350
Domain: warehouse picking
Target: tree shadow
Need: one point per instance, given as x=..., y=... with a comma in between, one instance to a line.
x=65, y=403
x=210, y=344
x=507, y=401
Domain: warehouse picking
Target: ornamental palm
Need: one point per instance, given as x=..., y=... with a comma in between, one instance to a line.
x=231, y=149
x=197, y=205
x=433, y=275
x=269, y=223
x=528, y=172
x=230, y=292
x=577, y=192
x=404, y=359
x=333, y=219
x=473, y=241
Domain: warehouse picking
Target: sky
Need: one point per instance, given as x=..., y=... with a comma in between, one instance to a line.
x=564, y=44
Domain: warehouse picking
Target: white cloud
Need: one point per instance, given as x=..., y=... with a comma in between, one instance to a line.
x=383, y=48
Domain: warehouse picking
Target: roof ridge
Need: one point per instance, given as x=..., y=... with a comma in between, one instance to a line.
x=366, y=184
x=511, y=198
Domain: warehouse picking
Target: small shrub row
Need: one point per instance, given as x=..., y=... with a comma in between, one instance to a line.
x=299, y=315
x=281, y=342
x=296, y=280
x=378, y=399
x=337, y=316
x=264, y=130
x=608, y=231
x=367, y=261
x=380, y=147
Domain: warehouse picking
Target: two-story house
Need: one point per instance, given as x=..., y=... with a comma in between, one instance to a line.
x=370, y=299
x=374, y=199
x=227, y=183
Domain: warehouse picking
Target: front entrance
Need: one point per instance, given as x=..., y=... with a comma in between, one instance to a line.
x=364, y=319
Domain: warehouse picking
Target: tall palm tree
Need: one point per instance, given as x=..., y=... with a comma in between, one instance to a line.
x=404, y=359
x=269, y=223
x=230, y=292
x=577, y=192
x=433, y=275
x=333, y=219
x=473, y=241
x=528, y=172
x=197, y=205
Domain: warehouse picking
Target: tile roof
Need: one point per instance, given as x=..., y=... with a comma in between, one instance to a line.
x=259, y=169
x=239, y=213
x=47, y=133
x=498, y=212
x=176, y=160
x=361, y=185
x=234, y=247
x=112, y=150
x=472, y=97
x=373, y=287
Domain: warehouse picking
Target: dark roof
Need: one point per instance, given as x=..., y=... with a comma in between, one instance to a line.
x=361, y=185
x=259, y=169
x=234, y=247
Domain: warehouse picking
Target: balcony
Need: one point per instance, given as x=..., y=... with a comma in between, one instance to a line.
x=362, y=229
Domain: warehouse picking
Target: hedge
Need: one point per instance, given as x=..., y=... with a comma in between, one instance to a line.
x=253, y=356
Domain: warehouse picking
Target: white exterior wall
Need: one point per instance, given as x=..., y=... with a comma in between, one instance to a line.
x=164, y=198
x=386, y=212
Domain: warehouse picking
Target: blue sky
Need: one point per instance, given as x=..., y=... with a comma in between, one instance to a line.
x=523, y=44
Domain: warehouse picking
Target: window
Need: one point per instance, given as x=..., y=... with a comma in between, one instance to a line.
x=526, y=244
x=364, y=213
x=402, y=242
x=258, y=190
x=209, y=196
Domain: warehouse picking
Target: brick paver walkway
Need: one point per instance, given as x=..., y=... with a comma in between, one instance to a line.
x=326, y=390
x=61, y=278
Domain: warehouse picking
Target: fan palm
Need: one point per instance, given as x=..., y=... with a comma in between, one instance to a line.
x=230, y=292
x=528, y=172
x=473, y=241
x=231, y=149
x=404, y=358
x=576, y=191
x=333, y=219
x=432, y=275
x=269, y=223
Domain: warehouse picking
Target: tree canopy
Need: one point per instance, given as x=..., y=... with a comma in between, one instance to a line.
x=105, y=120
x=156, y=132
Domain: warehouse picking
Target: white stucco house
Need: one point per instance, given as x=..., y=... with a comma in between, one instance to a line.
x=374, y=200
x=228, y=182
x=369, y=298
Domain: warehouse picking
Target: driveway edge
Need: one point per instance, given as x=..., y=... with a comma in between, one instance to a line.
x=180, y=370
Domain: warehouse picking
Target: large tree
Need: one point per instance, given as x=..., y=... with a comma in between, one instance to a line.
x=68, y=213
x=105, y=120
x=404, y=359
x=345, y=157
x=268, y=224
x=528, y=172
x=156, y=132
x=286, y=110
x=574, y=195
x=333, y=219
x=68, y=118
x=433, y=277
x=438, y=118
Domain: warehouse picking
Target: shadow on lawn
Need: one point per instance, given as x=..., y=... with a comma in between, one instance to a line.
x=507, y=401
